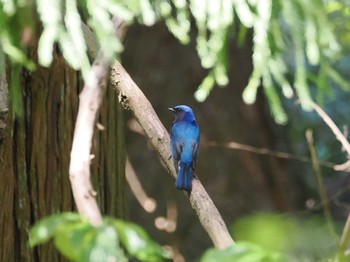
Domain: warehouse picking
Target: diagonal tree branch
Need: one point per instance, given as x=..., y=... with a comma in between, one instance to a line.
x=131, y=96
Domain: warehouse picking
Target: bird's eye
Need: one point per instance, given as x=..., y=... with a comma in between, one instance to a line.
x=178, y=109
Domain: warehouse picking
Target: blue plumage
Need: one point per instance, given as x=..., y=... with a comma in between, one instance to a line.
x=184, y=145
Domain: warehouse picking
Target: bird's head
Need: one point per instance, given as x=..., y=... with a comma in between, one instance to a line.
x=182, y=112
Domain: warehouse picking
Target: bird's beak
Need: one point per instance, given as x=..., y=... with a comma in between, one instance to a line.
x=171, y=109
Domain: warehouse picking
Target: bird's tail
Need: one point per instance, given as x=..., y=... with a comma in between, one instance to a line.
x=184, y=176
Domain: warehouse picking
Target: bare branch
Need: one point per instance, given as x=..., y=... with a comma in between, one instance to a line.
x=321, y=188
x=267, y=152
x=338, y=134
x=345, y=167
x=79, y=170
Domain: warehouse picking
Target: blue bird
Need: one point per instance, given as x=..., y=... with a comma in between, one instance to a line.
x=184, y=139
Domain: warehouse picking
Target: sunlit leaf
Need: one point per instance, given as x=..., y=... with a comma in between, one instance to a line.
x=103, y=27
x=138, y=243
x=312, y=50
x=278, y=72
x=118, y=10
x=221, y=75
x=15, y=53
x=45, y=229
x=77, y=57
x=148, y=15
x=242, y=252
x=246, y=16
x=205, y=87
x=106, y=246
x=288, y=37
x=50, y=15
x=180, y=26
x=297, y=239
x=338, y=79
x=179, y=29
x=249, y=93
x=275, y=105
x=75, y=241
x=9, y=6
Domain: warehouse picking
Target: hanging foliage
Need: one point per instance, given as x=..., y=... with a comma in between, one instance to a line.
x=294, y=43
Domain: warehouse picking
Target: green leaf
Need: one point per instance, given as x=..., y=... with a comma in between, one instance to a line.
x=100, y=21
x=249, y=93
x=75, y=240
x=9, y=6
x=46, y=228
x=275, y=105
x=148, y=15
x=337, y=78
x=179, y=29
x=242, y=252
x=73, y=43
x=138, y=243
x=220, y=74
x=295, y=238
x=106, y=245
x=84, y=242
x=50, y=15
x=118, y=10
x=244, y=13
x=15, y=53
x=205, y=87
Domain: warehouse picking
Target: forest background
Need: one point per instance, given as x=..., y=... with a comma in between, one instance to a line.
x=254, y=73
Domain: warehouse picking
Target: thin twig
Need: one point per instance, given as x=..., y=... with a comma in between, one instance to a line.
x=336, y=131
x=342, y=167
x=321, y=187
x=267, y=152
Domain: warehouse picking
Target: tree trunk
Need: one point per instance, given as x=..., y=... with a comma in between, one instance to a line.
x=35, y=155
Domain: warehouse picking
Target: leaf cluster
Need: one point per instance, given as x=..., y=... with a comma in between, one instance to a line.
x=294, y=42
x=78, y=240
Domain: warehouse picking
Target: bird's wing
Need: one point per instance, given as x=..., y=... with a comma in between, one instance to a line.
x=194, y=154
x=176, y=149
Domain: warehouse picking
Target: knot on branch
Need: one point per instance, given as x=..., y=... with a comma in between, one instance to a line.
x=124, y=101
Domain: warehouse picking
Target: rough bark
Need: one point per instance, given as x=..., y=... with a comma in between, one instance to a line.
x=34, y=158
